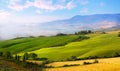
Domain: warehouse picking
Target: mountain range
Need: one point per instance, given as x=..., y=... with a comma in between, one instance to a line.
x=79, y=22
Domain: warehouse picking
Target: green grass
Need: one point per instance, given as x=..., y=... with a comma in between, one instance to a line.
x=98, y=45
x=30, y=44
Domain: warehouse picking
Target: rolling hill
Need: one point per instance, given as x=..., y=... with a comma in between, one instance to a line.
x=55, y=48
x=30, y=43
x=98, y=45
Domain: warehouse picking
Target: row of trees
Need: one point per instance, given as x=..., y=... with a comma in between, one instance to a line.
x=76, y=33
x=7, y=55
x=83, y=32
x=22, y=60
x=74, y=58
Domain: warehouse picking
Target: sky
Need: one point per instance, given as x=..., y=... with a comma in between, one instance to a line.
x=20, y=17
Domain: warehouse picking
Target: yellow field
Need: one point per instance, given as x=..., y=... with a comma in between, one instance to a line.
x=109, y=64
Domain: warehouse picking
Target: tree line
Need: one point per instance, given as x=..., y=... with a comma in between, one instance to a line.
x=22, y=60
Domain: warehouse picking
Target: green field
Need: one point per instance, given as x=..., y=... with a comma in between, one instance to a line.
x=30, y=44
x=98, y=45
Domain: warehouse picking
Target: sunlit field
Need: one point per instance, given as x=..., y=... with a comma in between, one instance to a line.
x=109, y=64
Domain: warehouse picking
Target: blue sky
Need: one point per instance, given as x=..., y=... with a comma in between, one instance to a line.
x=18, y=13
x=48, y=10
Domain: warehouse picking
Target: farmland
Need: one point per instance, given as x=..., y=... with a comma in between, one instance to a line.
x=57, y=48
x=100, y=45
x=107, y=64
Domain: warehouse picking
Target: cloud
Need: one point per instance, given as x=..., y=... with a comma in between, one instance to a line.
x=41, y=4
x=84, y=10
x=13, y=25
x=4, y=14
x=38, y=12
x=70, y=5
x=84, y=2
x=106, y=24
x=18, y=5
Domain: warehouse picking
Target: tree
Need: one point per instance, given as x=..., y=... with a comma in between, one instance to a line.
x=83, y=32
x=119, y=34
x=116, y=54
x=17, y=57
x=96, y=61
x=61, y=34
x=33, y=56
x=8, y=55
x=73, y=58
x=1, y=53
x=103, y=32
x=25, y=57
x=89, y=31
x=76, y=33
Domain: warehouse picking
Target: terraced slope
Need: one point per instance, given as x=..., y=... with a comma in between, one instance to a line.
x=30, y=44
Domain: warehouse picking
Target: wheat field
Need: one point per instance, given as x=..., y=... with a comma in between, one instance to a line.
x=108, y=64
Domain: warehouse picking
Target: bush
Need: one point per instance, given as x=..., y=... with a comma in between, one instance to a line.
x=96, y=61
x=8, y=55
x=83, y=32
x=119, y=34
x=86, y=63
x=49, y=67
x=70, y=65
x=44, y=59
x=103, y=32
x=61, y=34
x=1, y=53
x=116, y=54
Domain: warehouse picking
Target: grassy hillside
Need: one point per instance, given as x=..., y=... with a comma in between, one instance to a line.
x=30, y=44
x=108, y=64
x=98, y=45
x=54, y=48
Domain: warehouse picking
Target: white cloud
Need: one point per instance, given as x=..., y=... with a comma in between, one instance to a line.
x=14, y=25
x=84, y=10
x=41, y=4
x=70, y=5
x=38, y=12
x=4, y=14
x=84, y=2
x=17, y=5
x=106, y=24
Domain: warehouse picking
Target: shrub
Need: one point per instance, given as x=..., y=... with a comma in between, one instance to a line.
x=83, y=32
x=70, y=65
x=49, y=67
x=103, y=32
x=1, y=53
x=96, y=61
x=61, y=34
x=73, y=58
x=25, y=57
x=86, y=63
x=116, y=54
x=119, y=34
x=33, y=56
x=8, y=55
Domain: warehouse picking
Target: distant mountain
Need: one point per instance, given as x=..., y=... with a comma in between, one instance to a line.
x=78, y=22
